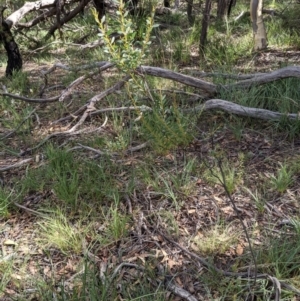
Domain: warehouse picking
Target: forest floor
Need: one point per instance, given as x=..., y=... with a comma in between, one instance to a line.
x=88, y=216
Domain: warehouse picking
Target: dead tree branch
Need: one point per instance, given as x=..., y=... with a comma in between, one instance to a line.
x=90, y=107
x=237, y=109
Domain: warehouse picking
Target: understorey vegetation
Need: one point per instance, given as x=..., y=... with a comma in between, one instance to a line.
x=136, y=164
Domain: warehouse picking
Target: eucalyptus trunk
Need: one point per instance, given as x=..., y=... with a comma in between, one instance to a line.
x=190, y=11
x=205, y=24
x=222, y=9
x=258, y=26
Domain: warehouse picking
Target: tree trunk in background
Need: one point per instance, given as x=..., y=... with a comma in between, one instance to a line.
x=190, y=11
x=14, y=62
x=222, y=9
x=100, y=7
x=204, y=29
x=258, y=26
x=166, y=3
x=231, y=4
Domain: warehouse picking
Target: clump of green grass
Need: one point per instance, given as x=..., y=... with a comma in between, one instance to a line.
x=280, y=257
x=277, y=256
x=282, y=96
x=290, y=20
x=175, y=186
x=20, y=83
x=167, y=128
x=115, y=223
x=232, y=176
x=63, y=171
x=5, y=201
x=283, y=179
x=118, y=224
x=57, y=231
x=258, y=199
x=75, y=181
x=216, y=240
x=6, y=270
x=16, y=116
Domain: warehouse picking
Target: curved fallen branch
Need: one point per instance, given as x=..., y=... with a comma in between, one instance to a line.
x=209, y=88
x=286, y=72
x=237, y=109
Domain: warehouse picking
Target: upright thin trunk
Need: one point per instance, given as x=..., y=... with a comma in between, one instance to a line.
x=190, y=11
x=14, y=62
x=222, y=9
x=205, y=24
x=259, y=30
x=231, y=4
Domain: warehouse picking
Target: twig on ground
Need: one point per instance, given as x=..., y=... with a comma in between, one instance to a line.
x=29, y=210
x=277, y=287
x=137, y=148
x=16, y=165
x=92, y=44
x=31, y=100
x=180, y=292
x=142, y=108
x=102, y=153
x=97, y=151
x=65, y=133
x=90, y=107
x=208, y=88
x=125, y=264
x=128, y=201
x=94, y=258
x=273, y=210
x=67, y=91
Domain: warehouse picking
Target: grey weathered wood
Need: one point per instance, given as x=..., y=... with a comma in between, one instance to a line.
x=207, y=87
x=237, y=109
